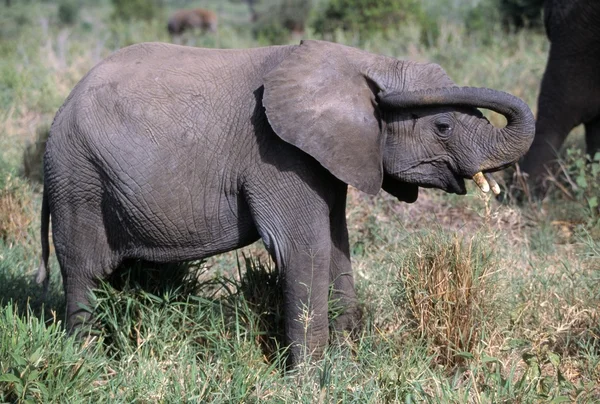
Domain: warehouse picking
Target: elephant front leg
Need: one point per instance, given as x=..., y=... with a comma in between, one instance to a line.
x=306, y=280
x=541, y=157
x=300, y=244
x=343, y=302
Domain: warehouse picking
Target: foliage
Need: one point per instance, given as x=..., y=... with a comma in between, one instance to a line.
x=68, y=11
x=366, y=17
x=577, y=182
x=446, y=284
x=38, y=363
x=479, y=17
x=136, y=9
x=277, y=19
x=33, y=155
x=15, y=209
x=521, y=13
x=585, y=172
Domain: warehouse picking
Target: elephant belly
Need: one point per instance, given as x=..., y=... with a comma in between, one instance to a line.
x=174, y=224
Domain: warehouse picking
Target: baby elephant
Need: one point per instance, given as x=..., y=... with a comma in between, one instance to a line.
x=183, y=20
x=169, y=153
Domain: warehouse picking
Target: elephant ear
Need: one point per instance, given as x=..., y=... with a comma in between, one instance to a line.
x=321, y=99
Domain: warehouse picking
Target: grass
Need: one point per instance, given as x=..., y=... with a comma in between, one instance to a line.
x=464, y=299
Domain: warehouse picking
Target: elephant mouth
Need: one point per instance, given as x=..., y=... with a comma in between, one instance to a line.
x=457, y=185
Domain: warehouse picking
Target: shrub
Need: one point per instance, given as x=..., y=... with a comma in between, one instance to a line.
x=280, y=18
x=38, y=363
x=445, y=281
x=15, y=204
x=33, y=155
x=366, y=17
x=68, y=11
x=479, y=17
x=578, y=180
x=136, y=9
x=521, y=13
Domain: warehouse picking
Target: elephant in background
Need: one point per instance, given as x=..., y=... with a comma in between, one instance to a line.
x=166, y=153
x=570, y=89
x=183, y=20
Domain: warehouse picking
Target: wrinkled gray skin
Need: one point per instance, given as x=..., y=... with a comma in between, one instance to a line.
x=168, y=153
x=570, y=90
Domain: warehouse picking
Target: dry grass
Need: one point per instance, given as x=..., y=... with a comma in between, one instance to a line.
x=33, y=155
x=446, y=284
x=15, y=211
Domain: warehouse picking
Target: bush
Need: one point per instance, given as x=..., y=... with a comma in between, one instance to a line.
x=479, y=17
x=281, y=18
x=579, y=180
x=136, y=9
x=15, y=209
x=68, y=11
x=366, y=17
x=33, y=155
x=521, y=13
x=446, y=285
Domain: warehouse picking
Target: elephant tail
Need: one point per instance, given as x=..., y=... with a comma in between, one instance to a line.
x=43, y=275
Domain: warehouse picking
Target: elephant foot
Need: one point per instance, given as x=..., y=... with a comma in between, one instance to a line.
x=347, y=325
x=521, y=188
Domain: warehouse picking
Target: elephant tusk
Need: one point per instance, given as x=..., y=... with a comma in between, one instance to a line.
x=481, y=182
x=493, y=184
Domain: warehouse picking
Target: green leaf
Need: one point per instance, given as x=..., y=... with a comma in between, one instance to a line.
x=488, y=359
x=530, y=358
x=597, y=156
x=516, y=342
x=36, y=356
x=18, y=360
x=33, y=375
x=593, y=202
x=561, y=399
x=581, y=181
x=9, y=378
x=465, y=355
x=19, y=389
x=545, y=386
x=554, y=359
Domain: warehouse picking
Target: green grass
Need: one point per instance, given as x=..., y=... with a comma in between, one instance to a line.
x=516, y=321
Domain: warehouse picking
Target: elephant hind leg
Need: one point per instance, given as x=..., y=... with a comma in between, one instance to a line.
x=592, y=137
x=80, y=277
x=78, y=310
x=85, y=259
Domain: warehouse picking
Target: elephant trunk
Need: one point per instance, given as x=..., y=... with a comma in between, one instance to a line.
x=508, y=144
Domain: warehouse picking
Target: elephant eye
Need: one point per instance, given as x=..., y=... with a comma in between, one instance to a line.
x=444, y=128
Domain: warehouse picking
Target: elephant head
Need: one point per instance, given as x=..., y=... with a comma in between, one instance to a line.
x=376, y=121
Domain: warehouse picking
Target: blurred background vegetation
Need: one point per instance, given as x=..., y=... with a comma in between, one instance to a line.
x=464, y=299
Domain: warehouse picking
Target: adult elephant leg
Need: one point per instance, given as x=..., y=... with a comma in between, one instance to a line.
x=558, y=114
x=592, y=137
x=343, y=300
